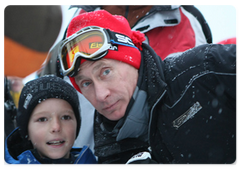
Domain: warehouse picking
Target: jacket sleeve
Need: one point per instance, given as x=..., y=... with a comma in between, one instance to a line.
x=205, y=75
x=221, y=59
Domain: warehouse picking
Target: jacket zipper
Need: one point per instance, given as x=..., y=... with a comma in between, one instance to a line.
x=151, y=113
x=80, y=156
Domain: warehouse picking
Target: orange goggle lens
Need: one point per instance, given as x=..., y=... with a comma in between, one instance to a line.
x=91, y=43
x=85, y=45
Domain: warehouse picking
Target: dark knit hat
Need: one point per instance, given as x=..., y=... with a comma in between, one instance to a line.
x=40, y=89
x=114, y=23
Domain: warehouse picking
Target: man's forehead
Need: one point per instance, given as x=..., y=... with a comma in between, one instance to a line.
x=91, y=66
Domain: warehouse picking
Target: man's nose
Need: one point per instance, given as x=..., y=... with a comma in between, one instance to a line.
x=101, y=91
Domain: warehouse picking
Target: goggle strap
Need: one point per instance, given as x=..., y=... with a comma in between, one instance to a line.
x=118, y=43
x=75, y=69
x=112, y=38
x=120, y=39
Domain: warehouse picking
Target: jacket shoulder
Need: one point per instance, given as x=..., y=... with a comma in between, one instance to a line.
x=183, y=69
x=17, y=150
x=214, y=57
x=85, y=156
x=24, y=158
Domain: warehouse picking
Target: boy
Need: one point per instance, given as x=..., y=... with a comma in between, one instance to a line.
x=48, y=124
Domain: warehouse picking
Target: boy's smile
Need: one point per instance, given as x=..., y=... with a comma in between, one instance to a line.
x=56, y=142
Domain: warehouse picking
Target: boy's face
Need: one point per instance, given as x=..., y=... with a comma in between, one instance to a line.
x=108, y=84
x=52, y=128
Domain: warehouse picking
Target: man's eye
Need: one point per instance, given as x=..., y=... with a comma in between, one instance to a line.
x=66, y=117
x=86, y=84
x=106, y=72
x=42, y=119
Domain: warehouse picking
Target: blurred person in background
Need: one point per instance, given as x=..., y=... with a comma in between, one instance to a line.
x=168, y=29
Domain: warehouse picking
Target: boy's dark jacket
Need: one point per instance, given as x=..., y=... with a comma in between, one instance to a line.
x=191, y=118
x=18, y=151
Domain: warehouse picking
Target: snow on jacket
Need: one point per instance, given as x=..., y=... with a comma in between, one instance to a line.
x=196, y=118
x=191, y=115
x=18, y=151
x=168, y=29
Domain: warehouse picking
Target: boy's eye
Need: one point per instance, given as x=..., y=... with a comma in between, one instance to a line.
x=42, y=119
x=66, y=117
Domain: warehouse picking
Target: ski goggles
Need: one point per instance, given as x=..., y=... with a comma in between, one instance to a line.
x=90, y=43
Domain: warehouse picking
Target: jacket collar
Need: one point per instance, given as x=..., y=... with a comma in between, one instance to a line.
x=153, y=74
x=19, y=151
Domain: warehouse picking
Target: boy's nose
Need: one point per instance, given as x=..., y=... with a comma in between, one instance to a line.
x=55, y=125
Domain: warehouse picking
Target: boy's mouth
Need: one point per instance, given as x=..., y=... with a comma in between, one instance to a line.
x=56, y=142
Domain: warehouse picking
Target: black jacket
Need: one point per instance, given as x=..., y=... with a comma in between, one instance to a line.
x=191, y=101
x=196, y=121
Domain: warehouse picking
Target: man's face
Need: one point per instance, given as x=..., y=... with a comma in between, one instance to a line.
x=52, y=128
x=108, y=84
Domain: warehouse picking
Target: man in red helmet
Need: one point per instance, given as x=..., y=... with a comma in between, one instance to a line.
x=180, y=110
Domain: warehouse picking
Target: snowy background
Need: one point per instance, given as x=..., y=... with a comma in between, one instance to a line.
x=220, y=18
